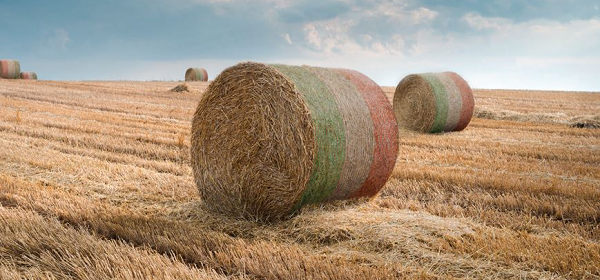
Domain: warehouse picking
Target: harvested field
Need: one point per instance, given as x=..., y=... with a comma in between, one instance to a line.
x=95, y=182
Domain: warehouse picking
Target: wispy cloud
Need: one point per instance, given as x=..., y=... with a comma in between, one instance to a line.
x=482, y=23
x=59, y=39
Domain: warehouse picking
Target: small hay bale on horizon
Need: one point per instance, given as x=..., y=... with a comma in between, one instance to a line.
x=29, y=76
x=433, y=103
x=268, y=139
x=10, y=69
x=196, y=75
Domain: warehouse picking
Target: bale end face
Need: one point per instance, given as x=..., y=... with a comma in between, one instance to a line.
x=414, y=104
x=252, y=143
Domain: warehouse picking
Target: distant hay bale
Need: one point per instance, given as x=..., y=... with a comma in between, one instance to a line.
x=268, y=139
x=196, y=75
x=10, y=69
x=180, y=88
x=29, y=76
x=433, y=102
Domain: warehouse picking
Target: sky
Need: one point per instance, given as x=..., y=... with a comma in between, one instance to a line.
x=509, y=44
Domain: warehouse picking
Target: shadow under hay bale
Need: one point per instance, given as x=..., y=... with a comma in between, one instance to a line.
x=268, y=139
x=433, y=102
x=10, y=69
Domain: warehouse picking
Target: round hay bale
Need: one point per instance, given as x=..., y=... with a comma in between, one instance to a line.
x=196, y=75
x=433, y=102
x=10, y=69
x=29, y=76
x=268, y=139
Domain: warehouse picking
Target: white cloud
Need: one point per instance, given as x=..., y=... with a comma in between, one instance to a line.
x=422, y=15
x=59, y=39
x=312, y=35
x=529, y=54
x=398, y=11
x=344, y=35
x=481, y=23
x=329, y=36
x=287, y=38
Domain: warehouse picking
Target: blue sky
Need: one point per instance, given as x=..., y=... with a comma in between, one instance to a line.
x=529, y=44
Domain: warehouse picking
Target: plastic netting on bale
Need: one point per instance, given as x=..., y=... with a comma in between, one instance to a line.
x=467, y=101
x=10, y=69
x=385, y=133
x=433, y=102
x=196, y=75
x=358, y=132
x=268, y=139
x=29, y=76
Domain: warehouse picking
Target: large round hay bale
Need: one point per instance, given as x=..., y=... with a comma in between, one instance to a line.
x=433, y=102
x=10, y=69
x=268, y=139
x=29, y=76
x=196, y=75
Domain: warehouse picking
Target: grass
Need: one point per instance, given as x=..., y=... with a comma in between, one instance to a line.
x=95, y=183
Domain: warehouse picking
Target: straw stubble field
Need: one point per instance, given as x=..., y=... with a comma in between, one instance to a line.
x=95, y=183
